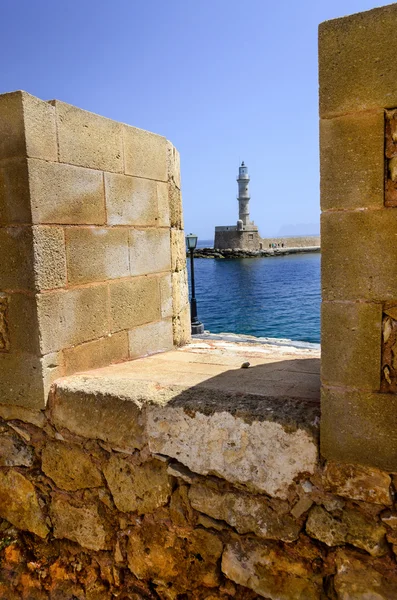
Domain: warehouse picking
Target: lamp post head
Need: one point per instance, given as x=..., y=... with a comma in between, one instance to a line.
x=191, y=241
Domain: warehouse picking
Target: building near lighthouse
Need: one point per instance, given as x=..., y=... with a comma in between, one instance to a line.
x=245, y=234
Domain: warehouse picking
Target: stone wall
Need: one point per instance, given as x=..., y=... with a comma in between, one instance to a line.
x=358, y=98
x=92, y=508
x=300, y=241
x=92, y=247
x=247, y=240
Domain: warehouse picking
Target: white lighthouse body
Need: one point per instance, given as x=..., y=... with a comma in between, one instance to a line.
x=243, y=197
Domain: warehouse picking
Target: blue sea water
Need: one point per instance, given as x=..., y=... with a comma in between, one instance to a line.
x=275, y=297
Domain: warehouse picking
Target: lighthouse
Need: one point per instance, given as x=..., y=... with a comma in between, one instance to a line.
x=243, y=197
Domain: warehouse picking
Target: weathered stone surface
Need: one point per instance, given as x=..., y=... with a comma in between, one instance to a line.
x=365, y=533
x=96, y=254
x=49, y=257
x=357, y=579
x=150, y=251
x=19, y=503
x=145, y=154
x=141, y=488
x=134, y=302
x=87, y=139
x=366, y=432
x=82, y=524
x=166, y=295
x=90, y=414
x=181, y=512
x=131, y=200
x=356, y=142
x=10, y=413
x=69, y=466
x=96, y=354
x=272, y=572
x=302, y=506
x=65, y=321
x=65, y=194
x=178, y=250
x=245, y=512
x=13, y=452
x=173, y=165
x=262, y=454
x=353, y=528
x=150, y=338
x=357, y=62
x=324, y=527
x=156, y=552
x=350, y=334
x=357, y=482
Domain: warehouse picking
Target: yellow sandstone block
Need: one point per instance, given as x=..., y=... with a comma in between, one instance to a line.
x=351, y=344
x=178, y=250
x=96, y=354
x=150, y=338
x=66, y=194
x=96, y=254
x=130, y=200
x=14, y=192
x=71, y=317
x=145, y=154
x=87, y=139
x=27, y=127
x=134, y=302
x=166, y=295
x=150, y=251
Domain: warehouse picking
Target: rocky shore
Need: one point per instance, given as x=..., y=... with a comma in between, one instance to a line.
x=237, y=253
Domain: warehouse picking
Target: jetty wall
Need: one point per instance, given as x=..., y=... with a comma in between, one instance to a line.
x=92, y=247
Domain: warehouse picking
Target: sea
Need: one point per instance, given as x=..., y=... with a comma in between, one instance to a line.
x=276, y=297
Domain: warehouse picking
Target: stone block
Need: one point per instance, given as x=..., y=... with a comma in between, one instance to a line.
x=49, y=257
x=180, y=291
x=21, y=380
x=357, y=482
x=90, y=414
x=359, y=427
x=175, y=204
x=71, y=317
x=27, y=127
x=134, y=302
x=145, y=154
x=52, y=367
x=178, y=250
x=137, y=488
x=22, y=325
x=14, y=192
x=245, y=512
x=165, y=283
x=357, y=62
x=10, y=413
x=150, y=251
x=351, y=341
x=150, y=338
x=96, y=354
x=173, y=165
x=181, y=327
x=96, y=254
x=19, y=503
x=14, y=452
x=352, y=161
x=65, y=194
x=81, y=524
x=69, y=466
x=200, y=442
x=359, y=255
x=130, y=200
x=87, y=139
x=16, y=265
x=163, y=204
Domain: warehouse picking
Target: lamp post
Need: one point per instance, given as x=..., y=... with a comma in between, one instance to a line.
x=197, y=327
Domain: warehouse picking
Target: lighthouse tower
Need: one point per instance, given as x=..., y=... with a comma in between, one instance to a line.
x=243, y=197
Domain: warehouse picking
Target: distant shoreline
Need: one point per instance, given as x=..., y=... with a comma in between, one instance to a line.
x=237, y=253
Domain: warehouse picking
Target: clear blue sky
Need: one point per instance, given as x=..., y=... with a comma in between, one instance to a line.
x=224, y=80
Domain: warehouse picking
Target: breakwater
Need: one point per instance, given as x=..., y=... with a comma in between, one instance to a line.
x=237, y=253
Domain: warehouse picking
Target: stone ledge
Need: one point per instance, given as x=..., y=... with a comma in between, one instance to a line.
x=256, y=427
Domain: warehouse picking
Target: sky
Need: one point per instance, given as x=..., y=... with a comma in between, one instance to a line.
x=224, y=80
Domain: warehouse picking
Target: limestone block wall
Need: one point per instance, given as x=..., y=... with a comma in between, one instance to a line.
x=247, y=240
x=300, y=241
x=92, y=248
x=358, y=101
